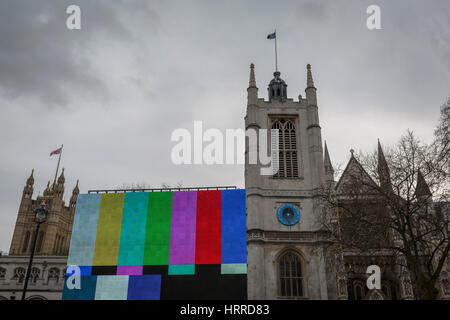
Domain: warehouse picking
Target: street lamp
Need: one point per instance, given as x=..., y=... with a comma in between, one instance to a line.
x=40, y=217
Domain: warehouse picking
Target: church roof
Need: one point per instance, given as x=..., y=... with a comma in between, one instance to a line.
x=355, y=177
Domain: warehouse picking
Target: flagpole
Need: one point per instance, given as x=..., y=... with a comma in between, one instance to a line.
x=57, y=166
x=276, y=59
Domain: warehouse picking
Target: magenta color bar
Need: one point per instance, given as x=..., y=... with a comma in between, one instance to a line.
x=129, y=270
x=182, y=234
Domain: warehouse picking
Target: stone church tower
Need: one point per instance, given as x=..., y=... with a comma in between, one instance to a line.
x=54, y=235
x=287, y=257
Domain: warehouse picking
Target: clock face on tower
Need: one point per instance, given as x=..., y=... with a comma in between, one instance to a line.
x=288, y=214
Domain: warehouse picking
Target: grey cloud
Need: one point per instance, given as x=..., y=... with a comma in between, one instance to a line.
x=140, y=69
x=40, y=57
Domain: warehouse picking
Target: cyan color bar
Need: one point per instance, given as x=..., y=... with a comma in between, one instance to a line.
x=86, y=291
x=111, y=288
x=181, y=269
x=132, y=236
x=233, y=268
x=234, y=233
x=84, y=230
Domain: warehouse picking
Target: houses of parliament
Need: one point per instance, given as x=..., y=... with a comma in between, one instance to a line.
x=52, y=244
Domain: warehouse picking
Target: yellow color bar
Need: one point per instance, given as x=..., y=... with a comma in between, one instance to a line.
x=107, y=242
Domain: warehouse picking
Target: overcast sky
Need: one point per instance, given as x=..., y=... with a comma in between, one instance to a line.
x=114, y=91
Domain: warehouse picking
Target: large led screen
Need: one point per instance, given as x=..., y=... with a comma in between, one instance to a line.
x=159, y=245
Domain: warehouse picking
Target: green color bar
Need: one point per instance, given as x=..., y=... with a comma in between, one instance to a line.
x=107, y=241
x=181, y=269
x=157, y=238
x=233, y=268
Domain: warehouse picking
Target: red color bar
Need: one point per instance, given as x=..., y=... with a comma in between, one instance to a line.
x=208, y=227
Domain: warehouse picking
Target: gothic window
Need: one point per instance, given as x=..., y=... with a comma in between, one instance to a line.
x=53, y=274
x=25, y=241
x=2, y=273
x=34, y=275
x=290, y=275
x=357, y=289
x=388, y=289
x=287, y=143
x=19, y=274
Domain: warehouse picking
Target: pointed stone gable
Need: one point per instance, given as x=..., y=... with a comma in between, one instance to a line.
x=355, y=179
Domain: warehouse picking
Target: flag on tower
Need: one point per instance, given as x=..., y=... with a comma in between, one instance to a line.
x=272, y=35
x=57, y=151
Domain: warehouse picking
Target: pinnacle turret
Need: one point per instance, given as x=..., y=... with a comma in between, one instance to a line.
x=252, y=90
x=327, y=162
x=62, y=179
x=252, y=81
x=277, y=88
x=30, y=180
x=383, y=170
x=309, y=78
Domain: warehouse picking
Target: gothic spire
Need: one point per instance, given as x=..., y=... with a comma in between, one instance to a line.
x=329, y=171
x=252, y=82
x=73, y=198
x=252, y=90
x=30, y=180
x=310, y=88
x=383, y=169
x=327, y=162
x=47, y=190
x=76, y=190
x=61, y=178
x=28, y=189
x=309, y=78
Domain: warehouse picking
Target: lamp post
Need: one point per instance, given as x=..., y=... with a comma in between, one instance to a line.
x=40, y=217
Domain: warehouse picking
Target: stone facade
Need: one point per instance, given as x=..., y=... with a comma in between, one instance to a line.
x=269, y=239
x=46, y=280
x=304, y=167
x=54, y=235
x=354, y=186
x=52, y=245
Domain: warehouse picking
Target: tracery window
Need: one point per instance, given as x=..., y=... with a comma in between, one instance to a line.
x=287, y=144
x=357, y=289
x=53, y=273
x=290, y=275
x=19, y=274
x=388, y=289
x=34, y=275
